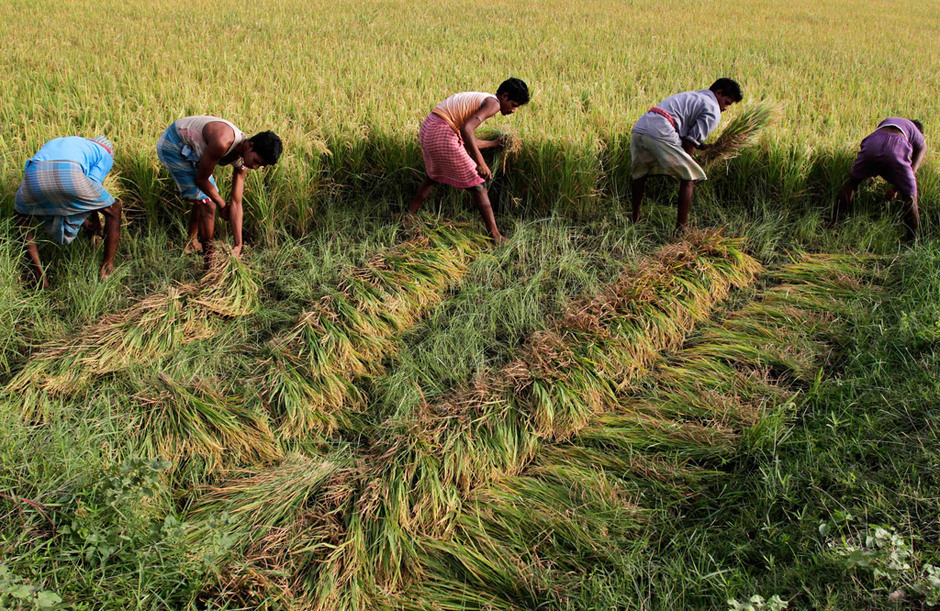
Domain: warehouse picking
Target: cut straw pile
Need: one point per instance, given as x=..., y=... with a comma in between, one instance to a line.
x=308, y=377
x=522, y=541
x=143, y=333
x=741, y=132
x=413, y=483
x=180, y=422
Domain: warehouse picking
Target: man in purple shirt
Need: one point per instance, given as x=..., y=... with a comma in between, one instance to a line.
x=663, y=140
x=894, y=151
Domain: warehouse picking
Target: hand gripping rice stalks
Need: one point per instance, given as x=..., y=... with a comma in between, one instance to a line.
x=741, y=132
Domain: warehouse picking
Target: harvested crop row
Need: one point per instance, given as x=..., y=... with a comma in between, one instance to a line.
x=530, y=539
x=146, y=331
x=309, y=373
x=357, y=534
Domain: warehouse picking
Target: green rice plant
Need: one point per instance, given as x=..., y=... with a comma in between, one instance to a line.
x=555, y=521
x=417, y=477
x=181, y=422
x=740, y=132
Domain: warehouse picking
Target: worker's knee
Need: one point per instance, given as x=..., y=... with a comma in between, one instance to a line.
x=476, y=188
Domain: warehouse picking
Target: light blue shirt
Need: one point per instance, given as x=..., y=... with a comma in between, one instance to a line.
x=696, y=114
x=94, y=158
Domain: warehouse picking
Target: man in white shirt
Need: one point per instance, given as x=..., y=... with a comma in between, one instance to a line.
x=663, y=140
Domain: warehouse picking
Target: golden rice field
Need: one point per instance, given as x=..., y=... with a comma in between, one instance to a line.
x=364, y=413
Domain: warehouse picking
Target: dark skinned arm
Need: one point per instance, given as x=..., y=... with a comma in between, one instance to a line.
x=219, y=138
x=688, y=146
x=112, y=234
x=234, y=211
x=918, y=159
x=487, y=109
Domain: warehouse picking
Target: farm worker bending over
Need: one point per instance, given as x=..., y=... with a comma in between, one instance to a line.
x=452, y=151
x=191, y=148
x=894, y=151
x=664, y=138
x=62, y=190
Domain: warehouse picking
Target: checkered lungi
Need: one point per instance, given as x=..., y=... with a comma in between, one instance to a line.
x=58, y=194
x=445, y=158
x=650, y=155
x=181, y=161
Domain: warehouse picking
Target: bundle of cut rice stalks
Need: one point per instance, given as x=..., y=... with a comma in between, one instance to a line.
x=308, y=377
x=230, y=288
x=665, y=440
x=741, y=132
x=508, y=152
x=144, y=332
x=184, y=421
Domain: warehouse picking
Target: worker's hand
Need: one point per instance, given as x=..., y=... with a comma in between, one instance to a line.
x=237, y=251
x=224, y=211
x=891, y=194
x=484, y=171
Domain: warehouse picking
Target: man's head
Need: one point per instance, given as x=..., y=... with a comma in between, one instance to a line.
x=512, y=94
x=918, y=125
x=727, y=91
x=262, y=149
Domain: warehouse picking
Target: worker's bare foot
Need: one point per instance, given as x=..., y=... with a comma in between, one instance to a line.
x=106, y=270
x=192, y=246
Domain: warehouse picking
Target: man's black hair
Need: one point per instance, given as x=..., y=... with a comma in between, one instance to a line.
x=729, y=88
x=268, y=145
x=918, y=125
x=516, y=88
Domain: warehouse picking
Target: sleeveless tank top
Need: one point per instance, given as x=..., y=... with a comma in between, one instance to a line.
x=459, y=107
x=190, y=131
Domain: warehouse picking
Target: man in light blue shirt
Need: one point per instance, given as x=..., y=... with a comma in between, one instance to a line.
x=62, y=191
x=663, y=140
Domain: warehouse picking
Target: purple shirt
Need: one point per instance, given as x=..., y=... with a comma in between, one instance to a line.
x=909, y=130
x=696, y=114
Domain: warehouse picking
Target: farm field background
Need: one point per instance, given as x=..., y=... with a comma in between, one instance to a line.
x=366, y=414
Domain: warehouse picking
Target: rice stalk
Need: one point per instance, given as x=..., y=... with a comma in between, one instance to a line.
x=184, y=421
x=740, y=132
x=308, y=377
x=230, y=287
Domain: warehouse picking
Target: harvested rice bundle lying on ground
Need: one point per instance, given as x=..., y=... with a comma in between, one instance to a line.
x=309, y=372
x=740, y=132
x=659, y=440
x=230, y=287
x=413, y=483
x=144, y=332
x=183, y=421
